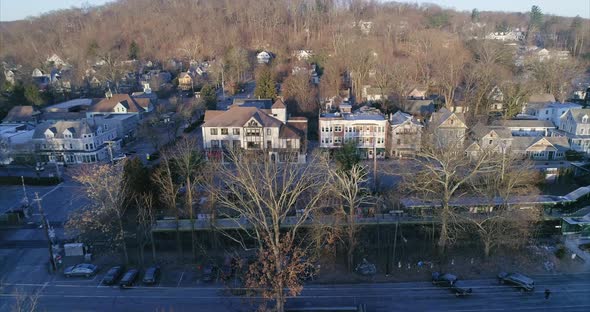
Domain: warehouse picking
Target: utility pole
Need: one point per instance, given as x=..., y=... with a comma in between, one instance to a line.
x=375, y=162
x=25, y=201
x=46, y=226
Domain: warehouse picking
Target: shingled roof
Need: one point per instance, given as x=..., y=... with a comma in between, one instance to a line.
x=237, y=116
x=77, y=128
x=133, y=105
x=20, y=114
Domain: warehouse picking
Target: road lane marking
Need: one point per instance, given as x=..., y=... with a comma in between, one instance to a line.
x=51, y=191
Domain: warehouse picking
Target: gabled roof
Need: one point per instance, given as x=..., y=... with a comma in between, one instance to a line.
x=20, y=114
x=578, y=114
x=278, y=104
x=289, y=132
x=77, y=128
x=443, y=115
x=481, y=130
x=133, y=105
x=237, y=116
x=523, y=143
x=400, y=118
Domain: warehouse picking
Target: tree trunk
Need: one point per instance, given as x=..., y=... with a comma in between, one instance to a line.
x=189, y=206
x=122, y=233
x=444, y=231
x=153, y=246
x=487, y=247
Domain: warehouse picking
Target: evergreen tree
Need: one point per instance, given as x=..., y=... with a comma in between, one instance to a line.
x=265, y=84
x=133, y=51
x=347, y=156
x=475, y=15
x=209, y=97
x=33, y=95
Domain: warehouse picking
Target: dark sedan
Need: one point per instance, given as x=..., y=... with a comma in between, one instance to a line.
x=113, y=274
x=151, y=275
x=524, y=283
x=82, y=269
x=129, y=278
x=452, y=282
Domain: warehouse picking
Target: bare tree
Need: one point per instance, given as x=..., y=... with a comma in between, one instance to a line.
x=499, y=223
x=269, y=202
x=555, y=76
x=449, y=69
x=297, y=88
x=26, y=302
x=442, y=173
x=108, y=191
x=145, y=219
x=515, y=94
x=169, y=190
x=187, y=160
x=352, y=193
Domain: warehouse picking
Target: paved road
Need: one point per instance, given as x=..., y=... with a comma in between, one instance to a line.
x=569, y=293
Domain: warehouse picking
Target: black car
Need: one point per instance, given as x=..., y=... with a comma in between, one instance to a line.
x=452, y=282
x=82, y=269
x=113, y=275
x=151, y=275
x=129, y=278
x=209, y=272
x=524, y=283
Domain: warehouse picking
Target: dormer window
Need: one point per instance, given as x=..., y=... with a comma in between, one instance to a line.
x=585, y=119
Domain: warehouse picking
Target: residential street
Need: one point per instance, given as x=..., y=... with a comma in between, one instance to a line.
x=569, y=293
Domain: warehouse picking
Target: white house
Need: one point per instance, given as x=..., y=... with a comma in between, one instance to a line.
x=575, y=126
x=514, y=35
x=255, y=128
x=366, y=127
x=554, y=111
x=302, y=55
x=263, y=57
x=74, y=142
x=404, y=135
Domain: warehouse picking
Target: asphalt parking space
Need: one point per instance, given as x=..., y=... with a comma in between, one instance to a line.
x=171, y=278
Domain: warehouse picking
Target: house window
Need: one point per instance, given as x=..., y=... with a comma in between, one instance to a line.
x=289, y=144
x=399, y=141
x=252, y=132
x=213, y=131
x=215, y=143
x=236, y=131
x=268, y=131
x=71, y=147
x=491, y=141
x=253, y=145
x=86, y=146
x=338, y=128
x=269, y=144
x=224, y=131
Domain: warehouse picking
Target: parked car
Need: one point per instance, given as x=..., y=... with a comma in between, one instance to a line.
x=129, y=278
x=524, y=283
x=208, y=272
x=113, y=274
x=82, y=269
x=452, y=282
x=151, y=275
